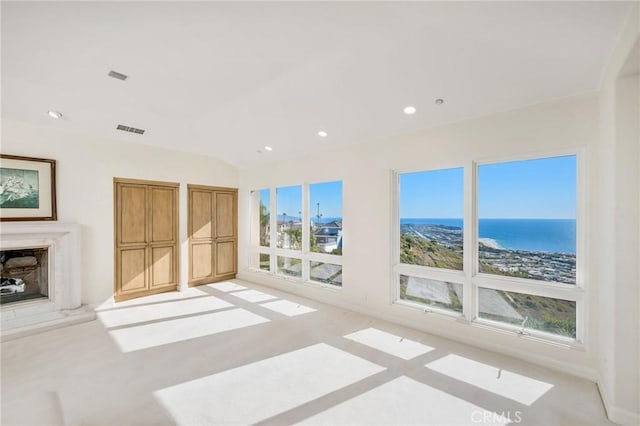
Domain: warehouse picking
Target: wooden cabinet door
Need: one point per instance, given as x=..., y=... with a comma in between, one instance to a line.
x=212, y=234
x=163, y=236
x=146, y=237
x=226, y=234
x=131, y=238
x=201, y=235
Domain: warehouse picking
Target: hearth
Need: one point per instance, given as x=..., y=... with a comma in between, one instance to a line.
x=43, y=260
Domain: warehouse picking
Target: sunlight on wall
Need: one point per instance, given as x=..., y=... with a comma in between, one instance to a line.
x=253, y=296
x=165, y=332
x=156, y=311
x=227, y=286
x=404, y=401
x=389, y=343
x=285, y=307
x=258, y=391
x=522, y=389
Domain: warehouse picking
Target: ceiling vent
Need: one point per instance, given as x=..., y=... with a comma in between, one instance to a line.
x=130, y=129
x=119, y=76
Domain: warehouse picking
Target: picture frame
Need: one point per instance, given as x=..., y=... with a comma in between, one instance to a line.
x=27, y=188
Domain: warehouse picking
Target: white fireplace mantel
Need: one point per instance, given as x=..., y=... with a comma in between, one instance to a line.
x=64, y=305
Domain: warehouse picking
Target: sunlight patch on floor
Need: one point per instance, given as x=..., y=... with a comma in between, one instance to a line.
x=522, y=389
x=285, y=307
x=151, y=312
x=227, y=286
x=171, y=331
x=254, y=296
x=155, y=298
x=389, y=343
x=404, y=401
x=258, y=391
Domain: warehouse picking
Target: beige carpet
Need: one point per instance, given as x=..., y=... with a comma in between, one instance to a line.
x=236, y=353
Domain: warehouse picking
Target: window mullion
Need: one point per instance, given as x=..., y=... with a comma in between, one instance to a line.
x=470, y=245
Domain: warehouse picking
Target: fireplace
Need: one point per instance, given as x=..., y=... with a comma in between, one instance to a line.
x=24, y=274
x=41, y=277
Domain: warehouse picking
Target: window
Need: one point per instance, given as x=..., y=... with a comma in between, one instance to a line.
x=431, y=238
x=289, y=217
x=527, y=311
x=303, y=241
x=431, y=292
x=326, y=217
x=527, y=219
x=431, y=218
x=522, y=271
x=264, y=218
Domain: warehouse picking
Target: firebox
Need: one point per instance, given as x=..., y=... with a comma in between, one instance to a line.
x=24, y=274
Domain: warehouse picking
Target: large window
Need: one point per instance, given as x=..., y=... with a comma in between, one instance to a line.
x=431, y=237
x=527, y=219
x=522, y=269
x=431, y=218
x=303, y=240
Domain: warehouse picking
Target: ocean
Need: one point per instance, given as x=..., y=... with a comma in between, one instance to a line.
x=548, y=235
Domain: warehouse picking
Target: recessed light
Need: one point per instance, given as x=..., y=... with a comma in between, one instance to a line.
x=268, y=148
x=55, y=114
x=323, y=134
x=409, y=110
x=439, y=101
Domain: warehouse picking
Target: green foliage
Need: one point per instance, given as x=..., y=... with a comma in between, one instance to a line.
x=419, y=251
x=295, y=238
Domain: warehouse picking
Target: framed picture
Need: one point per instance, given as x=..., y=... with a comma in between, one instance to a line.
x=27, y=188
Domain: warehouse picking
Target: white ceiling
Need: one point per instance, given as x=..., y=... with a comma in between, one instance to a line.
x=226, y=79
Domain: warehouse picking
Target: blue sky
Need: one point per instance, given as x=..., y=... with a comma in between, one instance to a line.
x=537, y=189
x=289, y=199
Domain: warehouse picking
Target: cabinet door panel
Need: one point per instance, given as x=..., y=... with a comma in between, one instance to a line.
x=162, y=266
x=132, y=214
x=132, y=269
x=225, y=215
x=201, y=261
x=162, y=214
x=225, y=258
x=201, y=217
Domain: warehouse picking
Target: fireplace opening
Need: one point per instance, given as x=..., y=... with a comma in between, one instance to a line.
x=24, y=274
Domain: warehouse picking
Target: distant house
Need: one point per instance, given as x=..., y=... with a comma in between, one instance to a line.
x=329, y=236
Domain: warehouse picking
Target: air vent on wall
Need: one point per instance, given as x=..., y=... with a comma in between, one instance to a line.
x=130, y=129
x=116, y=74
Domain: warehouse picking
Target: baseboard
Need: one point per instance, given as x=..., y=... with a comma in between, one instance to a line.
x=329, y=297
x=616, y=414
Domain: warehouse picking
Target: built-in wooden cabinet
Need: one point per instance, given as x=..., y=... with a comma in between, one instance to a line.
x=146, y=237
x=213, y=233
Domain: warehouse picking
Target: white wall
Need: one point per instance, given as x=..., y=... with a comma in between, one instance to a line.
x=365, y=170
x=617, y=229
x=86, y=167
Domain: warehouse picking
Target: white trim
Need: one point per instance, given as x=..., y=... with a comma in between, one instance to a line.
x=432, y=273
x=616, y=414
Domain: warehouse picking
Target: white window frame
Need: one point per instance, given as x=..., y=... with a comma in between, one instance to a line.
x=470, y=277
x=305, y=254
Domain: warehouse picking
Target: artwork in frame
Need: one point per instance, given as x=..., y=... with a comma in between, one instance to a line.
x=27, y=188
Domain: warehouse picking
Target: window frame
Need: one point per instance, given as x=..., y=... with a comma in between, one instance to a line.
x=470, y=277
x=305, y=254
